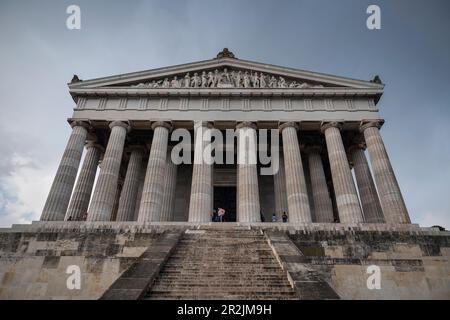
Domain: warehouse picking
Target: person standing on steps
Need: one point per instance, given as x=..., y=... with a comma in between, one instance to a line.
x=214, y=216
x=274, y=217
x=262, y=216
x=284, y=217
x=221, y=213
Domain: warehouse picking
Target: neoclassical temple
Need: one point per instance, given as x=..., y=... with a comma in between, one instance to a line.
x=333, y=165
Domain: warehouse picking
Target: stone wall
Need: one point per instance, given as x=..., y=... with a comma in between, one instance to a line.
x=33, y=263
x=413, y=261
x=413, y=265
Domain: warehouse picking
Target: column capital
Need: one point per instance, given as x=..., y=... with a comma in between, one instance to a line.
x=164, y=124
x=120, y=123
x=81, y=123
x=246, y=124
x=289, y=124
x=370, y=123
x=330, y=124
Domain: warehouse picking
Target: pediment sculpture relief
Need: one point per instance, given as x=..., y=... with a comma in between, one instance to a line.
x=226, y=79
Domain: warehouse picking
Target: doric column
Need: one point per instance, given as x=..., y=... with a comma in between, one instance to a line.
x=79, y=202
x=249, y=207
x=103, y=198
x=297, y=193
x=139, y=191
x=127, y=201
x=344, y=187
x=120, y=182
x=152, y=194
x=59, y=196
x=279, y=180
x=170, y=183
x=391, y=198
x=323, y=207
x=200, y=204
x=367, y=191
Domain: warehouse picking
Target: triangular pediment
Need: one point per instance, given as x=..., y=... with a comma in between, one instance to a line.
x=224, y=72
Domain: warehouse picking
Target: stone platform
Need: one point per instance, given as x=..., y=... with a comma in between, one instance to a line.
x=304, y=261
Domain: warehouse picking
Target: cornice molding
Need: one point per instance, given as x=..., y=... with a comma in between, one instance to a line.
x=222, y=92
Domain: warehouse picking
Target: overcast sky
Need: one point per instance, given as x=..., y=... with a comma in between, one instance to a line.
x=39, y=55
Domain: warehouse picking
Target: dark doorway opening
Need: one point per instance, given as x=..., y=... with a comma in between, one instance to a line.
x=225, y=197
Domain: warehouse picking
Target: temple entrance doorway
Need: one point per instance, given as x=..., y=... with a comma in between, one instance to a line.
x=225, y=197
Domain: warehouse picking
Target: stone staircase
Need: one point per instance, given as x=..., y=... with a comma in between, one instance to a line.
x=220, y=263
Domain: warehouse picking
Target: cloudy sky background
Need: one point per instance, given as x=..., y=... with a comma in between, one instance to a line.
x=39, y=55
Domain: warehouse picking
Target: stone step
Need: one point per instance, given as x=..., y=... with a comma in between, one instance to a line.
x=221, y=296
x=224, y=290
x=222, y=264
x=235, y=287
x=219, y=283
x=216, y=274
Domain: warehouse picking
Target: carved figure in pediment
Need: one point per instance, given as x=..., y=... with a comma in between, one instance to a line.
x=273, y=82
x=255, y=80
x=210, y=79
x=175, y=83
x=303, y=85
x=140, y=85
x=156, y=84
x=166, y=83
x=195, y=81
x=204, y=79
x=246, y=80
x=293, y=84
x=226, y=79
x=238, y=79
x=318, y=86
x=262, y=80
x=282, y=83
x=187, y=80
x=217, y=77
x=232, y=78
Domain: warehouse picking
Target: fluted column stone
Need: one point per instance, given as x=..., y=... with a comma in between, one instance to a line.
x=200, y=204
x=139, y=190
x=249, y=206
x=344, y=187
x=367, y=192
x=391, y=199
x=127, y=202
x=170, y=183
x=79, y=203
x=152, y=194
x=103, y=198
x=59, y=196
x=297, y=193
x=279, y=179
x=323, y=207
x=120, y=182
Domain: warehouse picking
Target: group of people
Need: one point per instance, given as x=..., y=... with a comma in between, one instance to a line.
x=284, y=217
x=84, y=218
x=219, y=216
